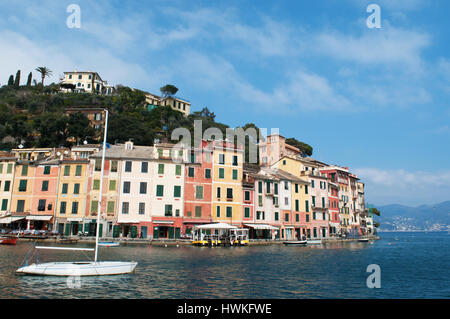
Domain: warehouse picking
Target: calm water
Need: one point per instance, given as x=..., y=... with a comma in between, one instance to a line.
x=413, y=265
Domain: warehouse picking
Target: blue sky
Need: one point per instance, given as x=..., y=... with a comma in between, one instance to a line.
x=371, y=99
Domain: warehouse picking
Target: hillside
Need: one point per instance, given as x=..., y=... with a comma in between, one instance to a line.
x=424, y=217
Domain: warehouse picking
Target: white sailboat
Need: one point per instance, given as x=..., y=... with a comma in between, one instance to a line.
x=84, y=268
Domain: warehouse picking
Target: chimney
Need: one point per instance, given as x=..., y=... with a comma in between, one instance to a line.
x=129, y=145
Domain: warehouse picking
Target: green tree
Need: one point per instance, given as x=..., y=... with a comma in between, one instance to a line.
x=78, y=126
x=11, y=80
x=29, y=79
x=305, y=148
x=51, y=129
x=168, y=90
x=45, y=73
x=375, y=211
x=17, y=79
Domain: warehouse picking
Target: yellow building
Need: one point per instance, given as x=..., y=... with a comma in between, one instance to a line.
x=174, y=102
x=89, y=82
x=7, y=163
x=22, y=194
x=72, y=192
x=227, y=182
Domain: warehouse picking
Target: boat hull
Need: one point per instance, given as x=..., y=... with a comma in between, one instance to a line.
x=108, y=244
x=8, y=241
x=314, y=242
x=88, y=268
x=295, y=243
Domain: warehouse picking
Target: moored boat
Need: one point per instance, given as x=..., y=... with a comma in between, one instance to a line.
x=8, y=240
x=108, y=244
x=87, y=268
x=314, y=241
x=296, y=243
x=363, y=240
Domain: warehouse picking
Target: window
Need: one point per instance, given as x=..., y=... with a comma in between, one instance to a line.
x=141, y=208
x=218, y=211
x=177, y=212
x=94, y=206
x=178, y=170
x=168, y=210
x=268, y=187
x=221, y=173
x=113, y=166
x=65, y=187
x=297, y=206
x=276, y=188
x=161, y=169
x=286, y=201
x=199, y=192
x=74, y=208
x=314, y=215
x=246, y=212
x=96, y=185
x=229, y=211
x=44, y=186
x=62, y=208
x=222, y=159
x=128, y=166
x=177, y=191
x=286, y=185
x=312, y=184
x=41, y=205
x=125, y=208
x=260, y=187
x=20, y=206
x=297, y=218
x=46, y=170
x=207, y=173
x=143, y=188
x=112, y=185
x=9, y=169
x=307, y=205
x=247, y=196
x=198, y=211
x=235, y=160
x=126, y=187
x=191, y=172
x=260, y=200
x=235, y=174
x=7, y=186
x=78, y=169
x=98, y=165
x=323, y=202
x=159, y=190
x=144, y=167
x=24, y=170
x=4, y=204
x=23, y=185
x=306, y=189
x=296, y=188
x=110, y=207
x=229, y=193
x=313, y=201
x=76, y=188
x=79, y=77
x=286, y=217
x=307, y=218
x=66, y=170
x=276, y=216
x=218, y=192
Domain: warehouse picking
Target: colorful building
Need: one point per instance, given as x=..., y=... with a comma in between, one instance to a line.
x=7, y=169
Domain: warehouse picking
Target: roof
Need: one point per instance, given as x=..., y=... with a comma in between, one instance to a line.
x=119, y=151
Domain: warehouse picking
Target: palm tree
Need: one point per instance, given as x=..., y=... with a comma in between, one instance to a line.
x=45, y=72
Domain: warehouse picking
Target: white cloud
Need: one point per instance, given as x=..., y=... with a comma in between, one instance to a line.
x=405, y=187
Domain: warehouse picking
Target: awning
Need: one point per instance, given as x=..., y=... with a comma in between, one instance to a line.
x=289, y=227
x=168, y=222
x=75, y=219
x=9, y=220
x=128, y=222
x=261, y=226
x=37, y=217
x=216, y=226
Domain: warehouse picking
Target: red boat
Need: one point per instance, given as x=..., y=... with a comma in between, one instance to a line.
x=8, y=240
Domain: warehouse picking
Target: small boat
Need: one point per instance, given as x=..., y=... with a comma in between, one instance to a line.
x=363, y=240
x=108, y=244
x=314, y=241
x=295, y=243
x=8, y=240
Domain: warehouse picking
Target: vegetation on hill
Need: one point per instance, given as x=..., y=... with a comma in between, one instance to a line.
x=305, y=148
x=35, y=116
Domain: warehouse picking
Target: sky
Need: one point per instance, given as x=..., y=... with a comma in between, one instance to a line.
x=372, y=99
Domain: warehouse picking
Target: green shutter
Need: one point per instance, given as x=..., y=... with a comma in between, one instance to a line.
x=46, y=170
x=78, y=170
x=133, y=231
x=67, y=232
x=115, y=231
x=221, y=173
x=159, y=190
x=24, y=170
x=155, y=232
x=161, y=169
x=235, y=174
x=276, y=215
x=96, y=185
x=100, y=232
x=177, y=191
x=171, y=234
x=86, y=227
x=94, y=206
x=229, y=211
x=307, y=205
x=9, y=169
x=110, y=208
x=218, y=211
x=207, y=173
x=177, y=233
x=66, y=170
x=178, y=170
x=64, y=188
x=112, y=185
x=23, y=185
x=247, y=212
x=4, y=204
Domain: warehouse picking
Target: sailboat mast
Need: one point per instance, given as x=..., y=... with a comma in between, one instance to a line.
x=101, y=187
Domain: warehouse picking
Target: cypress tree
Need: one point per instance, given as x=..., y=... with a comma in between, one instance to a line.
x=29, y=79
x=17, y=80
x=11, y=80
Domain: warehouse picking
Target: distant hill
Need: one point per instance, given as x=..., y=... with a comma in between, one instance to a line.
x=404, y=218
